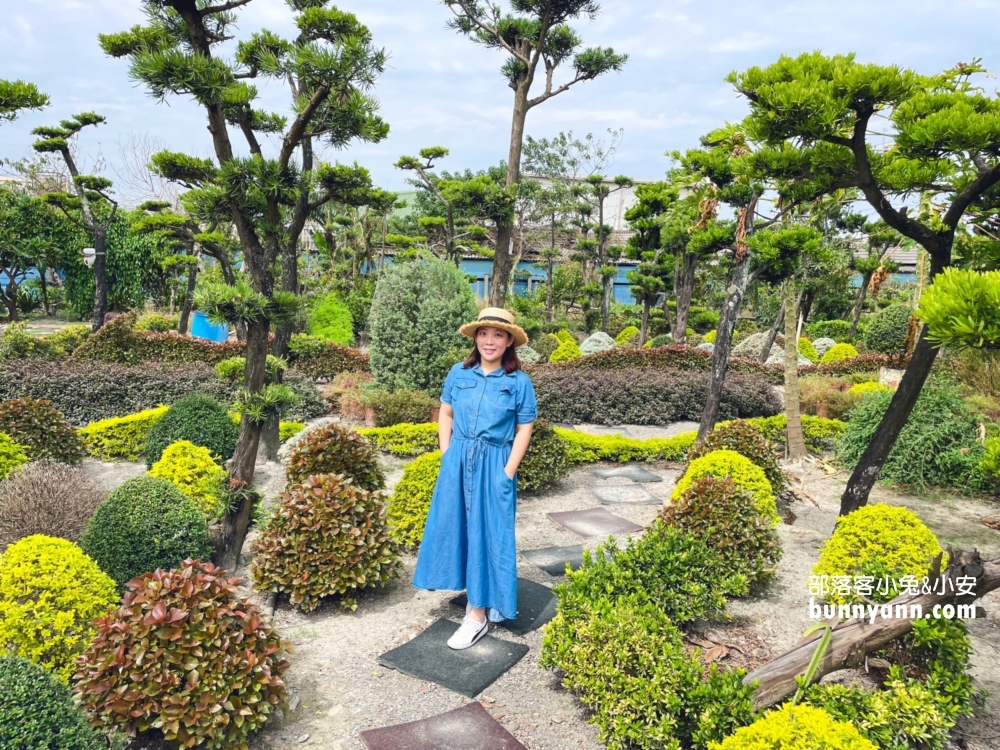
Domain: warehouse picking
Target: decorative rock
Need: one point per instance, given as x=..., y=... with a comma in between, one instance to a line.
x=778, y=358
x=597, y=342
x=750, y=346
x=706, y=347
x=823, y=345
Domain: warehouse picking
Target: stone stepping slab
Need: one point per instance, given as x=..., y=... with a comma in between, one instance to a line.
x=632, y=471
x=630, y=494
x=553, y=560
x=594, y=522
x=536, y=605
x=468, y=672
x=467, y=728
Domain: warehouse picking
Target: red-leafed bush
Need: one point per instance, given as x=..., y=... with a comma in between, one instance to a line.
x=41, y=429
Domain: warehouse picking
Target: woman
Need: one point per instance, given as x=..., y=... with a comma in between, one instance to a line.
x=487, y=411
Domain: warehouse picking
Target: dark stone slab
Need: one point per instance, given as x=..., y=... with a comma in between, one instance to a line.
x=553, y=559
x=467, y=728
x=632, y=471
x=628, y=494
x=594, y=522
x=468, y=672
x=536, y=605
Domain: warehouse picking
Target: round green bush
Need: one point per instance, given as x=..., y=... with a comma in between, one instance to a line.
x=411, y=499
x=886, y=333
x=838, y=353
x=331, y=321
x=807, y=350
x=37, y=711
x=747, y=440
x=796, y=727
x=744, y=473
x=546, y=461
x=41, y=430
x=198, y=419
x=333, y=449
x=628, y=336
x=145, y=524
x=415, y=316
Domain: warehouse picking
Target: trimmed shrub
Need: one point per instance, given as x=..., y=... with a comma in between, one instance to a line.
x=709, y=338
x=745, y=474
x=41, y=429
x=287, y=430
x=726, y=518
x=879, y=541
x=886, y=333
x=750, y=346
x=821, y=434
x=220, y=677
x=403, y=439
x=331, y=321
x=545, y=462
x=199, y=419
x=192, y=469
x=47, y=497
x=37, y=711
x=50, y=593
x=144, y=525
x=599, y=342
x=664, y=339
x=747, y=440
x=568, y=349
x=545, y=345
x=333, y=449
x=796, y=726
x=584, y=448
x=12, y=455
x=411, y=499
x=807, y=350
x=67, y=340
x=837, y=353
x=528, y=356
x=415, y=316
x=870, y=386
x=121, y=438
x=323, y=359
x=327, y=537
x=838, y=330
x=16, y=343
x=234, y=369
x=397, y=407
x=157, y=323
x=823, y=344
x=628, y=336
x=833, y=393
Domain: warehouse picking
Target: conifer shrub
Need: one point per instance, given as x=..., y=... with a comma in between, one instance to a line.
x=726, y=518
x=886, y=332
x=331, y=321
x=747, y=440
x=628, y=336
x=41, y=429
x=838, y=330
x=796, y=726
x=878, y=541
x=411, y=499
x=120, y=438
x=288, y=430
x=145, y=524
x=709, y=338
x=596, y=342
x=807, y=350
x=327, y=537
x=195, y=472
x=870, y=386
x=37, y=711
x=546, y=460
x=333, y=449
x=568, y=349
x=199, y=419
x=838, y=353
x=47, y=497
x=219, y=675
x=50, y=593
x=545, y=345
x=745, y=474
x=12, y=455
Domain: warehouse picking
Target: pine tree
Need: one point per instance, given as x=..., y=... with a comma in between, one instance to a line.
x=16, y=96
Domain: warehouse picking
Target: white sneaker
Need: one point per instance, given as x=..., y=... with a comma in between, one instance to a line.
x=467, y=635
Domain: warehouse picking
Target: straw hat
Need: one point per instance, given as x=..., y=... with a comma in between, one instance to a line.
x=496, y=317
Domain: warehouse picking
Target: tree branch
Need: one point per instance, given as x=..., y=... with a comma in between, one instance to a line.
x=470, y=14
x=232, y=4
x=977, y=187
x=549, y=93
x=298, y=128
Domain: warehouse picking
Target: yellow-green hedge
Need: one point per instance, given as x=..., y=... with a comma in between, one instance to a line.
x=411, y=499
x=745, y=474
x=838, y=353
x=796, y=727
x=120, y=438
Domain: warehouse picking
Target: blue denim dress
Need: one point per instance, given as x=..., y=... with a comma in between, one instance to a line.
x=468, y=542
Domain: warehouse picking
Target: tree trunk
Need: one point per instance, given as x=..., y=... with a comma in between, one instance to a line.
x=683, y=292
x=450, y=249
x=765, y=351
x=645, y=323
x=853, y=638
x=805, y=307
x=608, y=282
x=503, y=264
x=100, y=279
x=859, y=305
x=10, y=301
x=182, y=325
x=42, y=271
x=796, y=440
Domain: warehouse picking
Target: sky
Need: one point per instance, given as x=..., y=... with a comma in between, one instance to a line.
x=441, y=90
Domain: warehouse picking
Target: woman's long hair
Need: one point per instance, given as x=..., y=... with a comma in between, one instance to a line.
x=509, y=362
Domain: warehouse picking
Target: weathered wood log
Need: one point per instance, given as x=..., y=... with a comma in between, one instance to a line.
x=855, y=637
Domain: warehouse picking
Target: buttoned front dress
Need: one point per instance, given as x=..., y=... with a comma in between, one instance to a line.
x=468, y=542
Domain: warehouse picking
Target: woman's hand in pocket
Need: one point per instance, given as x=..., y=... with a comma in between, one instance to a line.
x=506, y=473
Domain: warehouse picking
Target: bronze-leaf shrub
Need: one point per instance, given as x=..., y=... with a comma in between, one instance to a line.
x=741, y=436
x=327, y=537
x=187, y=655
x=336, y=450
x=41, y=429
x=47, y=497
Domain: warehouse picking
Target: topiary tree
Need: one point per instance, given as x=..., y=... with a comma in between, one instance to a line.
x=145, y=525
x=334, y=449
x=887, y=331
x=37, y=711
x=41, y=429
x=19, y=95
x=327, y=537
x=744, y=473
x=199, y=419
x=417, y=311
x=193, y=470
x=213, y=696
x=50, y=593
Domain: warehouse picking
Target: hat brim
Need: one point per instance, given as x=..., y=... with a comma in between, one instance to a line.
x=520, y=337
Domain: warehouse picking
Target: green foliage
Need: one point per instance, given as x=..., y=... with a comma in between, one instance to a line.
x=568, y=349
x=287, y=430
x=234, y=368
x=403, y=439
x=40, y=429
x=411, y=499
x=886, y=333
x=331, y=321
x=179, y=613
x=726, y=518
x=709, y=338
x=145, y=524
x=194, y=471
x=121, y=438
x=796, y=726
x=838, y=353
x=545, y=345
x=546, y=460
x=877, y=540
x=336, y=450
x=323, y=359
x=200, y=419
x=807, y=350
x=12, y=455
x=327, y=537
x=745, y=475
x=869, y=386
x=16, y=96
x=241, y=303
x=50, y=593
x=585, y=448
x=37, y=711
x=273, y=400
x=747, y=440
x=402, y=406
x=838, y=330
x=157, y=323
x=821, y=434
x=960, y=309
x=418, y=309
x=628, y=337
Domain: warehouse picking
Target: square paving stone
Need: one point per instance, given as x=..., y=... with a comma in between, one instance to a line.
x=629, y=494
x=632, y=471
x=467, y=728
x=594, y=522
x=468, y=672
x=536, y=605
x=553, y=559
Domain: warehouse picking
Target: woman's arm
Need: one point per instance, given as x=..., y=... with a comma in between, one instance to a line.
x=521, y=440
x=445, y=417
